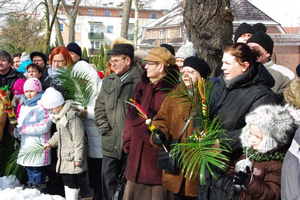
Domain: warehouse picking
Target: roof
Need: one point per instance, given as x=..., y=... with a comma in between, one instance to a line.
x=242, y=10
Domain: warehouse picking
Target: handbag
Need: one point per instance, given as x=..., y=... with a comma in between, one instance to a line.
x=167, y=160
x=121, y=183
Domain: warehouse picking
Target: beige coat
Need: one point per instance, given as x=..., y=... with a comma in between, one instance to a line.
x=69, y=139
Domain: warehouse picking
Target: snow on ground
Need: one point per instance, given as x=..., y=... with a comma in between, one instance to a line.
x=10, y=189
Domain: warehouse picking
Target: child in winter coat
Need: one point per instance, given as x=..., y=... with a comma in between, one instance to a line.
x=33, y=127
x=265, y=139
x=69, y=138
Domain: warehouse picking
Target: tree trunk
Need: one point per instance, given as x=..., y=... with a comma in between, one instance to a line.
x=71, y=17
x=209, y=28
x=125, y=18
x=56, y=23
x=136, y=21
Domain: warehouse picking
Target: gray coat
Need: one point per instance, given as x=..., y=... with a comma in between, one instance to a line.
x=111, y=110
x=69, y=139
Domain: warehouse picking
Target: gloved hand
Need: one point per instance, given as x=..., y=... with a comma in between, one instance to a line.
x=160, y=139
x=242, y=178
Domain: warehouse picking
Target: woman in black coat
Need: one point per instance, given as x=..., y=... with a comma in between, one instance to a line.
x=244, y=86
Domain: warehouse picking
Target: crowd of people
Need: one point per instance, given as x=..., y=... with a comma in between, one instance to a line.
x=255, y=99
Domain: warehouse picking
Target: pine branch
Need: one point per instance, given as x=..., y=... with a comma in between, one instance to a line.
x=31, y=153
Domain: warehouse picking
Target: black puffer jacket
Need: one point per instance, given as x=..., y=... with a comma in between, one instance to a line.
x=10, y=80
x=247, y=92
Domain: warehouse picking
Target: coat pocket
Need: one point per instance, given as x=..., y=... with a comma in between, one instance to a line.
x=68, y=156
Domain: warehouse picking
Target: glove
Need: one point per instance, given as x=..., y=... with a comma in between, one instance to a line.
x=242, y=178
x=160, y=139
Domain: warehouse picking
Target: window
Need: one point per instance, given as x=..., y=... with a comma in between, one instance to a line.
x=94, y=29
x=91, y=12
x=150, y=34
x=121, y=13
x=168, y=33
x=161, y=33
x=61, y=27
x=71, y=10
x=95, y=45
x=107, y=13
x=153, y=15
x=110, y=29
x=77, y=28
x=179, y=32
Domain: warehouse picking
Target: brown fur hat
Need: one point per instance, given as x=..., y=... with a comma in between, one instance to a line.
x=292, y=93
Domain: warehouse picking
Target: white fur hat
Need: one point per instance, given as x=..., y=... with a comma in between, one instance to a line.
x=278, y=125
x=52, y=98
x=185, y=51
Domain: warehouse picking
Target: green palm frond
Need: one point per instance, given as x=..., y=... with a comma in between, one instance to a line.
x=31, y=153
x=199, y=151
x=77, y=85
x=12, y=168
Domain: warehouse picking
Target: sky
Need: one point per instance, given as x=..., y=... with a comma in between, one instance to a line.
x=286, y=12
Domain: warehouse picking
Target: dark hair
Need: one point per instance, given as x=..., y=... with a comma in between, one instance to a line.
x=15, y=55
x=4, y=54
x=35, y=66
x=241, y=52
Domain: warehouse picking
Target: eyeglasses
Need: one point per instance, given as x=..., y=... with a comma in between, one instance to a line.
x=58, y=61
x=188, y=72
x=152, y=63
x=116, y=61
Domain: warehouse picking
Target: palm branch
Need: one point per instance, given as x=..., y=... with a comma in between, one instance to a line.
x=12, y=168
x=77, y=84
x=31, y=153
x=198, y=151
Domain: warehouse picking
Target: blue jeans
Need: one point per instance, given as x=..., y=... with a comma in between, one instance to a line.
x=36, y=174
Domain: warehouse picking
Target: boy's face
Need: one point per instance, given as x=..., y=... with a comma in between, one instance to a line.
x=29, y=94
x=255, y=136
x=33, y=73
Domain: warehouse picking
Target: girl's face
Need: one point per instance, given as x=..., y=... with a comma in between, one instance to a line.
x=58, y=61
x=33, y=73
x=56, y=110
x=29, y=94
x=189, y=73
x=255, y=136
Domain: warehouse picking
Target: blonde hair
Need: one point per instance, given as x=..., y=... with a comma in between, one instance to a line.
x=292, y=93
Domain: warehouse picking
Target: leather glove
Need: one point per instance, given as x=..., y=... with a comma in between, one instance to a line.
x=160, y=139
x=242, y=178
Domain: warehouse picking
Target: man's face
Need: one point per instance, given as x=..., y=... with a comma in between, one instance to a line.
x=74, y=56
x=261, y=54
x=4, y=66
x=121, y=63
x=39, y=61
x=244, y=38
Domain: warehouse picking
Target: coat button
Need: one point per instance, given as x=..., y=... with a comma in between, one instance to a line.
x=115, y=147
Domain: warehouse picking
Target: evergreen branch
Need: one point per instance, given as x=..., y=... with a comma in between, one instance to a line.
x=31, y=153
x=13, y=168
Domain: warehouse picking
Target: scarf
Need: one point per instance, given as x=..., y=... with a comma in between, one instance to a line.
x=52, y=72
x=61, y=116
x=260, y=157
x=33, y=101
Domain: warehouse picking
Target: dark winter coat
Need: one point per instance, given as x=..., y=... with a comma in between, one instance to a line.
x=142, y=157
x=111, y=110
x=10, y=80
x=170, y=120
x=247, y=92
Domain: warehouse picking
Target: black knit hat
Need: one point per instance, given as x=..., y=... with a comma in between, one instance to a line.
x=198, y=64
x=169, y=47
x=40, y=54
x=260, y=27
x=242, y=29
x=74, y=47
x=298, y=70
x=119, y=49
x=263, y=40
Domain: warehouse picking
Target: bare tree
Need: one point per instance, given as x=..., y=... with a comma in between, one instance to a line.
x=71, y=15
x=53, y=13
x=125, y=18
x=209, y=27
